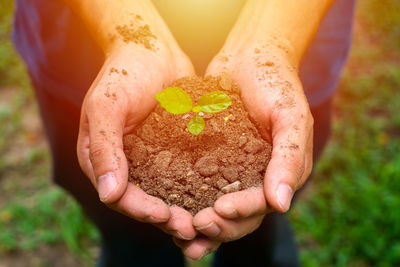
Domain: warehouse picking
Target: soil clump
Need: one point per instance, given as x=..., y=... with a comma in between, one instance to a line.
x=189, y=171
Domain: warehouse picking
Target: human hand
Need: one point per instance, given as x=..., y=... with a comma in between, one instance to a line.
x=119, y=99
x=274, y=97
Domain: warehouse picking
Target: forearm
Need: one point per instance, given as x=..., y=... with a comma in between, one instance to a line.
x=287, y=23
x=123, y=22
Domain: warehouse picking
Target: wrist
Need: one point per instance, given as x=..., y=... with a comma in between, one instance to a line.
x=116, y=23
x=274, y=47
x=259, y=53
x=254, y=41
x=289, y=25
x=141, y=64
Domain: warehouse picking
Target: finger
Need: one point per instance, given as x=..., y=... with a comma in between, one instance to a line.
x=135, y=203
x=216, y=67
x=197, y=248
x=290, y=135
x=184, y=66
x=180, y=224
x=209, y=223
x=106, y=121
x=242, y=204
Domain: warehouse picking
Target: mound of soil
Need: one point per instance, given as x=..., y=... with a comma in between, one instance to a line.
x=168, y=162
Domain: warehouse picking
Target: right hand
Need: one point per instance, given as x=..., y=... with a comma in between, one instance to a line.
x=273, y=95
x=120, y=98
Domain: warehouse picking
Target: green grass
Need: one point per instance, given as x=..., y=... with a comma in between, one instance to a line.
x=24, y=226
x=349, y=215
x=11, y=70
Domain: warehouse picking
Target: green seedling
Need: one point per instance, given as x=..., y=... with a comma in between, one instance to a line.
x=177, y=101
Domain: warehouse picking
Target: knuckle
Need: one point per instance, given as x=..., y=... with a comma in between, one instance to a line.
x=296, y=163
x=97, y=152
x=297, y=169
x=305, y=176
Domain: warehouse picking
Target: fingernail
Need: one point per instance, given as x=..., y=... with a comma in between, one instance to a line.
x=284, y=195
x=180, y=236
x=210, y=230
x=227, y=210
x=152, y=219
x=106, y=185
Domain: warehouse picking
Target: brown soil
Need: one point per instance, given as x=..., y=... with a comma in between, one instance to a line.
x=189, y=171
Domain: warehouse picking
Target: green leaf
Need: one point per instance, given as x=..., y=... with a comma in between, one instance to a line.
x=175, y=100
x=196, y=109
x=214, y=102
x=196, y=125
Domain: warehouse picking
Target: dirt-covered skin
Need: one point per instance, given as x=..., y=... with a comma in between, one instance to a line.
x=168, y=162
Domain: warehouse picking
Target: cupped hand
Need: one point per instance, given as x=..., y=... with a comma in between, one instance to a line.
x=120, y=98
x=274, y=97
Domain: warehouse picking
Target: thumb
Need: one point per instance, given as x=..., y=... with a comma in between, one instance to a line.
x=288, y=159
x=105, y=130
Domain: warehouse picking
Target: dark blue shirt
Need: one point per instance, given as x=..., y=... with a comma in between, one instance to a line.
x=62, y=57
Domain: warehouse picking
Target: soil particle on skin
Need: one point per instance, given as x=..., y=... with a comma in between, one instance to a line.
x=168, y=162
x=269, y=64
x=113, y=70
x=266, y=64
x=294, y=146
x=287, y=99
x=223, y=58
x=113, y=96
x=137, y=32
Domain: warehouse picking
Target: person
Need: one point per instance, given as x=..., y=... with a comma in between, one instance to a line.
x=71, y=49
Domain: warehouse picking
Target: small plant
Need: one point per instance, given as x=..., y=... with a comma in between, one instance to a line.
x=177, y=101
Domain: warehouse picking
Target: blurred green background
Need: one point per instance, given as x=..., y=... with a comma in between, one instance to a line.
x=348, y=216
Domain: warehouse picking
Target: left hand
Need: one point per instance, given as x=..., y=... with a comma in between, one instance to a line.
x=273, y=95
x=119, y=99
